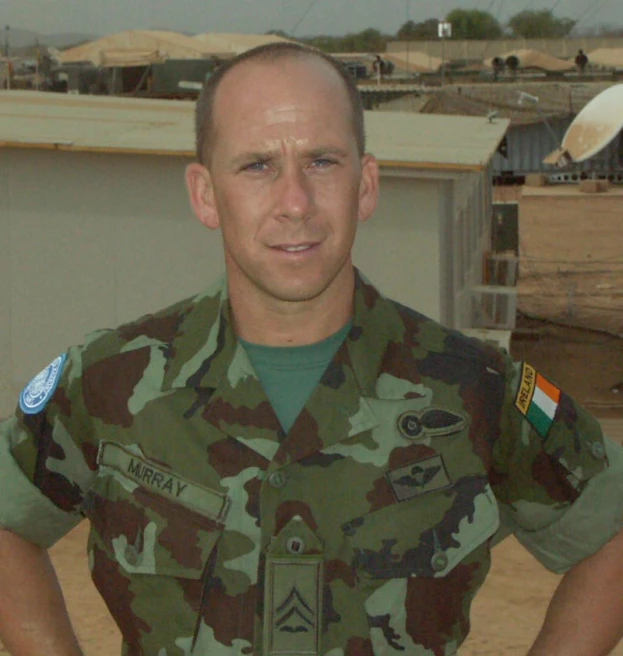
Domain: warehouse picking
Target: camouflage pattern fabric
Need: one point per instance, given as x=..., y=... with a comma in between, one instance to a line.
x=365, y=530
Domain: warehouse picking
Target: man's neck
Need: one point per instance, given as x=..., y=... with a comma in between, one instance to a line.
x=260, y=320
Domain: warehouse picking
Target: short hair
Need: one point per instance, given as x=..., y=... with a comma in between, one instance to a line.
x=270, y=52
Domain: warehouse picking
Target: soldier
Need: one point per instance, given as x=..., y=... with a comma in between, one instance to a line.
x=289, y=462
x=581, y=62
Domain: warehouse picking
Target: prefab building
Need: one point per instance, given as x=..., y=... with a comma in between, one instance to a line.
x=96, y=229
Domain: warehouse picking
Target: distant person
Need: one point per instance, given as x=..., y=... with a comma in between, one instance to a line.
x=378, y=66
x=581, y=61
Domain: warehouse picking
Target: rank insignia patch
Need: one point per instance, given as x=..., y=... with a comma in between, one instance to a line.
x=295, y=615
x=537, y=399
x=419, y=477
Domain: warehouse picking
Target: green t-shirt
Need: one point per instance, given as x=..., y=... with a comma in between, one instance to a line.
x=289, y=374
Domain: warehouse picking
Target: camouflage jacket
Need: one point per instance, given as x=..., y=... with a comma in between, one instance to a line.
x=365, y=530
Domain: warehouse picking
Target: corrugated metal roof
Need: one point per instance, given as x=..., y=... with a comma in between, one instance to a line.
x=439, y=141
x=555, y=100
x=82, y=123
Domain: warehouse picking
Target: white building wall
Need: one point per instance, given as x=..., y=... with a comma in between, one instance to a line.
x=90, y=241
x=5, y=289
x=399, y=248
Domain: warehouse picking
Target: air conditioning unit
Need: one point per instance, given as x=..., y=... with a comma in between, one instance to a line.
x=501, y=269
x=493, y=307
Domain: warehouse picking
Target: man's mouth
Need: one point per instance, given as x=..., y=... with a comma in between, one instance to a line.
x=294, y=248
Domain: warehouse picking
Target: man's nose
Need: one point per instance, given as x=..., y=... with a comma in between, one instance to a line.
x=294, y=194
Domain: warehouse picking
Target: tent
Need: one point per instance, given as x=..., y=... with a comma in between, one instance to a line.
x=608, y=57
x=536, y=59
x=233, y=44
x=413, y=61
x=136, y=48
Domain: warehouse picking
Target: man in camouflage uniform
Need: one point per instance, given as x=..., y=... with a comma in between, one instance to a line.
x=235, y=510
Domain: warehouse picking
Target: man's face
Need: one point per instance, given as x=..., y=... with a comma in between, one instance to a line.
x=286, y=183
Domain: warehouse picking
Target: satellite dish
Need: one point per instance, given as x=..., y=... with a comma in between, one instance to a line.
x=593, y=128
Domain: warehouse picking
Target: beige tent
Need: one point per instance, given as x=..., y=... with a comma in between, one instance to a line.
x=136, y=48
x=536, y=59
x=217, y=43
x=609, y=57
x=121, y=57
x=413, y=61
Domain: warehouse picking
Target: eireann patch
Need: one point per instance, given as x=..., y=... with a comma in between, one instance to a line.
x=41, y=388
x=537, y=399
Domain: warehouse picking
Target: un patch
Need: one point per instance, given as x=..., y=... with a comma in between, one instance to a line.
x=427, y=475
x=40, y=389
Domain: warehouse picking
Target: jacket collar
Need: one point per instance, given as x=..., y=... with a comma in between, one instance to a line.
x=207, y=357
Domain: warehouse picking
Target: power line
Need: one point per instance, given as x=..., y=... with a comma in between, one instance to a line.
x=304, y=16
x=593, y=8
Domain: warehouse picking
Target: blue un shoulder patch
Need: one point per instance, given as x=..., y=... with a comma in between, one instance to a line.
x=40, y=389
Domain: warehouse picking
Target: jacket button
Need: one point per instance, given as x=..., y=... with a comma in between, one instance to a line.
x=295, y=546
x=277, y=479
x=598, y=450
x=439, y=561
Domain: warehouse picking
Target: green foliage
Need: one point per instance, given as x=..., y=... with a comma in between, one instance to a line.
x=474, y=24
x=278, y=33
x=540, y=25
x=369, y=40
x=411, y=31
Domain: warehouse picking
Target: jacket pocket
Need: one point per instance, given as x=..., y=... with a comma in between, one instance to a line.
x=419, y=563
x=152, y=549
x=152, y=520
x=425, y=536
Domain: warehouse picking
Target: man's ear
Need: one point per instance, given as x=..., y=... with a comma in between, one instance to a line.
x=368, y=187
x=201, y=194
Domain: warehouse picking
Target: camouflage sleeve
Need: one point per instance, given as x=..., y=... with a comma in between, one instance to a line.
x=46, y=461
x=558, y=481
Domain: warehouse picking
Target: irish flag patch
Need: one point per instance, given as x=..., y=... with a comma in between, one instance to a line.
x=537, y=399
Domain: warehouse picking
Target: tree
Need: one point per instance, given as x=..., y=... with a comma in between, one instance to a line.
x=411, y=31
x=473, y=24
x=370, y=40
x=278, y=33
x=540, y=25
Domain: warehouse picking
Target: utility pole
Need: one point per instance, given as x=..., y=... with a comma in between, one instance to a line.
x=9, y=68
x=444, y=31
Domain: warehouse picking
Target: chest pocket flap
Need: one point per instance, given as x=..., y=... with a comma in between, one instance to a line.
x=151, y=520
x=426, y=536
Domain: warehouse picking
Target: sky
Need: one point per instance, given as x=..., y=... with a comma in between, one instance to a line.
x=296, y=17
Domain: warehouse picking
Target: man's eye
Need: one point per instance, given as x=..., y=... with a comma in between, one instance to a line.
x=323, y=162
x=256, y=166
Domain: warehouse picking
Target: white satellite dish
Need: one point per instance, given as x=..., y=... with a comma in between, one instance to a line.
x=593, y=128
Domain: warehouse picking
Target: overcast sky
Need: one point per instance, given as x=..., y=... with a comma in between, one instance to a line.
x=301, y=17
